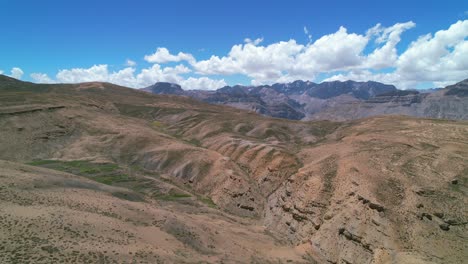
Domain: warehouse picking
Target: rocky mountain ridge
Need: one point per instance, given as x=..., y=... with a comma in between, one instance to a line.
x=304, y=100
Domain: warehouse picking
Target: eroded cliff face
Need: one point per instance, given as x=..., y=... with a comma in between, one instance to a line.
x=338, y=101
x=434, y=105
x=379, y=194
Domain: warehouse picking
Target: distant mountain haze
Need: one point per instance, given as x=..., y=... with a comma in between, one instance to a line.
x=164, y=88
x=336, y=100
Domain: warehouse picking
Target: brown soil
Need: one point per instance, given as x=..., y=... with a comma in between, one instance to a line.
x=131, y=177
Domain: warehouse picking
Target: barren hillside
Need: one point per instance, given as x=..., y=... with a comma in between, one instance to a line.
x=99, y=172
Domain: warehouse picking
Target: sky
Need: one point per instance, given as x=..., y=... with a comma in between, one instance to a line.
x=210, y=44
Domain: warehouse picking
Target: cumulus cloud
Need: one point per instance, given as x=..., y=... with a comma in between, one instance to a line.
x=289, y=60
x=386, y=56
x=438, y=58
x=16, y=73
x=95, y=73
x=156, y=73
x=441, y=57
x=130, y=63
x=162, y=55
x=306, y=32
x=257, y=62
x=337, y=51
x=131, y=78
x=253, y=42
x=202, y=83
x=41, y=78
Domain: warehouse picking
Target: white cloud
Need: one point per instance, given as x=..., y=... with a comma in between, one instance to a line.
x=41, y=78
x=162, y=55
x=439, y=58
x=340, y=50
x=95, y=73
x=1, y=72
x=289, y=60
x=16, y=73
x=258, y=62
x=442, y=57
x=130, y=63
x=130, y=78
x=306, y=32
x=202, y=83
x=254, y=42
x=155, y=73
x=386, y=56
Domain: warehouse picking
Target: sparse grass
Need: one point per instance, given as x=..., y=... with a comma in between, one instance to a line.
x=41, y=162
x=158, y=124
x=170, y=111
x=245, y=128
x=207, y=201
x=172, y=157
x=106, y=173
x=323, y=128
x=80, y=167
x=462, y=183
x=409, y=168
x=102, y=168
x=172, y=196
x=309, y=258
x=135, y=110
x=268, y=133
x=194, y=141
x=111, y=179
x=427, y=146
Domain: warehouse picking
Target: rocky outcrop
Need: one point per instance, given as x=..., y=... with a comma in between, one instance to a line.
x=164, y=88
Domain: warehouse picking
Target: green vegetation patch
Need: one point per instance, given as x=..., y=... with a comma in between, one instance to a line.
x=80, y=167
x=111, y=179
x=427, y=146
x=207, y=201
x=100, y=168
x=107, y=173
x=172, y=196
x=323, y=128
x=195, y=142
x=112, y=174
x=158, y=125
x=139, y=111
x=129, y=196
x=41, y=162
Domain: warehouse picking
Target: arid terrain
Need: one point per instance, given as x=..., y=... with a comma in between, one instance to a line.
x=99, y=173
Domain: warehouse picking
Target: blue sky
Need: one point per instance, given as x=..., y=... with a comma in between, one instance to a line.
x=44, y=37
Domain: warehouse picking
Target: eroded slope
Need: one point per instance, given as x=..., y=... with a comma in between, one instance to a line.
x=380, y=190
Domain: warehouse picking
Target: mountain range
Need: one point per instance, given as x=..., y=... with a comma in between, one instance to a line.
x=335, y=100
